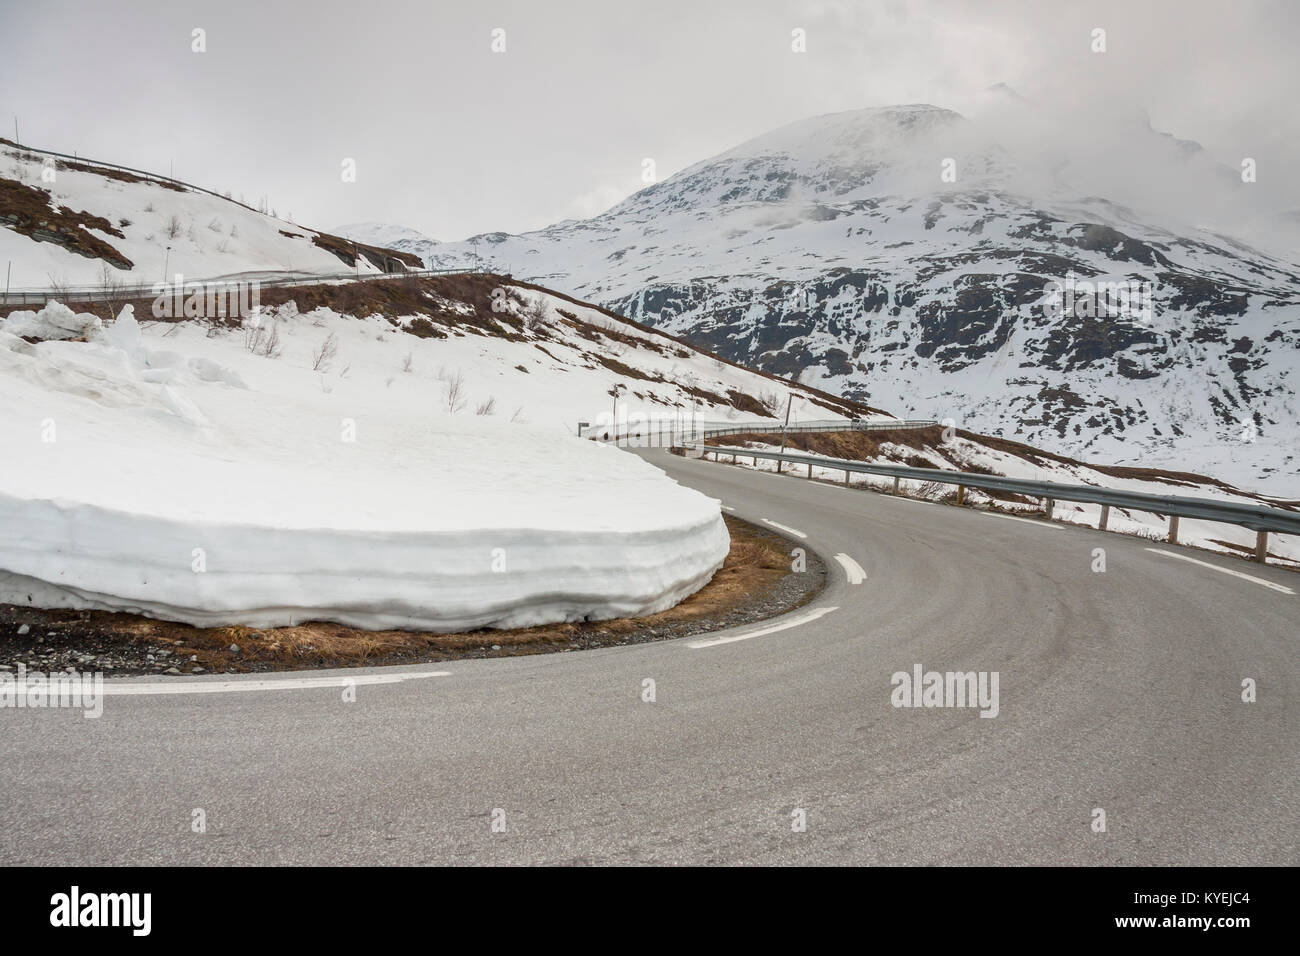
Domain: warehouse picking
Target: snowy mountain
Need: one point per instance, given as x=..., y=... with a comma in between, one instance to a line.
x=910, y=258
x=66, y=223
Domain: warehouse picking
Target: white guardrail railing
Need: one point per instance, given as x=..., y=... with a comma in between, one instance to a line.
x=1261, y=519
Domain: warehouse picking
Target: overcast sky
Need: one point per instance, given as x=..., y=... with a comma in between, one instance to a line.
x=453, y=139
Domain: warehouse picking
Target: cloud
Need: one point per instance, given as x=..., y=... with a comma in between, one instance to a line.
x=454, y=140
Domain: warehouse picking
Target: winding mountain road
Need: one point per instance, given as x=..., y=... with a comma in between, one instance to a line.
x=1119, y=691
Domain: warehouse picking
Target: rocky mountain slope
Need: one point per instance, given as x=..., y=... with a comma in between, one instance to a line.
x=908, y=258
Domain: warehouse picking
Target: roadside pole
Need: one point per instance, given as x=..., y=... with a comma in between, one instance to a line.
x=789, y=400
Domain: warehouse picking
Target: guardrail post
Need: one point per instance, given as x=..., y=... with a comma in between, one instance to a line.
x=779, y=463
x=846, y=477
x=1261, y=547
x=1173, y=529
x=809, y=475
x=1105, y=518
x=895, y=484
x=961, y=495
x=1048, y=507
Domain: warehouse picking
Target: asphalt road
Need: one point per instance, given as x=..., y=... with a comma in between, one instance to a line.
x=1119, y=691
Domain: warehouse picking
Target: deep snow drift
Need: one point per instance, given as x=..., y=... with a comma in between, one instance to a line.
x=172, y=473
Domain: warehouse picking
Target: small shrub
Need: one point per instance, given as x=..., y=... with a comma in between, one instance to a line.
x=321, y=357
x=456, y=392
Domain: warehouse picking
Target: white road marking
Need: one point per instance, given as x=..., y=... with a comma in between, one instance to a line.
x=727, y=508
x=795, y=621
x=794, y=531
x=1214, y=567
x=1037, y=524
x=852, y=569
x=244, y=686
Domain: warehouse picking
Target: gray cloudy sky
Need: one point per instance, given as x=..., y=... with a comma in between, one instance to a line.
x=452, y=139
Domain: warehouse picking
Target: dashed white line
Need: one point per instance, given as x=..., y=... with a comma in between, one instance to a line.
x=1214, y=567
x=852, y=569
x=1036, y=524
x=795, y=621
x=245, y=686
x=794, y=531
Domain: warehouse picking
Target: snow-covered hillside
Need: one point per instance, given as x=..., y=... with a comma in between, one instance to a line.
x=835, y=248
x=64, y=223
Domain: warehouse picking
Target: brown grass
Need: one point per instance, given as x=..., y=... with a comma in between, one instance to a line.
x=121, y=175
x=855, y=445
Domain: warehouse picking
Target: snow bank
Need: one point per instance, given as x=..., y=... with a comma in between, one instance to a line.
x=155, y=481
x=54, y=321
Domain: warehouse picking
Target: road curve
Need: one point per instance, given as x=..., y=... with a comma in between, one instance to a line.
x=1119, y=691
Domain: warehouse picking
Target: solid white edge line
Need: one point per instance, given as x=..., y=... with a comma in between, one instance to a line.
x=727, y=508
x=246, y=686
x=794, y=531
x=771, y=629
x=1214, y=567
x=1038, y=524
x=852, y=570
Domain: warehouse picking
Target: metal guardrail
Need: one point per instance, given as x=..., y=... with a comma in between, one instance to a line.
x=664, y=434
x=836, y=425
x=1259, y=518
x=143, y=290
